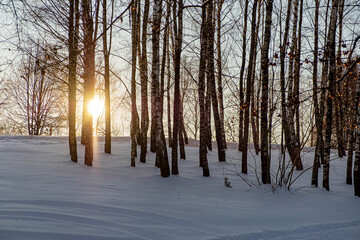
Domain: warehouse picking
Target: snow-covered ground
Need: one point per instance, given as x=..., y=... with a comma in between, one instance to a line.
x=43, y=195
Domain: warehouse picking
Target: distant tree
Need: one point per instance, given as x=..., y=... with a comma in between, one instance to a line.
x=36, y=93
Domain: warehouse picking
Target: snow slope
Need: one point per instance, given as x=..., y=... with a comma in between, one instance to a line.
x=43, y=195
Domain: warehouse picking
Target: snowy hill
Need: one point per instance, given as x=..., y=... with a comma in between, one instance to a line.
x=43, y=195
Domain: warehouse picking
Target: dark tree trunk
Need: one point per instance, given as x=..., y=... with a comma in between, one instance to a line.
x=73, y=40
x=161, y=151
x=134, y=46
x=89, y=79
x=265, y=159
x=339, y=108
x=182, y=133
x=318, y=122
x=211, y=83
x=201, y=90
x=178, y=33
x=144, y=79
x=357, y=143
x=106, y=51
x=330, y=51
x=248, y=89
x=219, y=68
x=241, y=84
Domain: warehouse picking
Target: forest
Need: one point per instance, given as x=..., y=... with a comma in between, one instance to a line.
x=260, y=74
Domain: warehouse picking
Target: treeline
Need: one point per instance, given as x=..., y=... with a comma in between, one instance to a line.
x=266, y=72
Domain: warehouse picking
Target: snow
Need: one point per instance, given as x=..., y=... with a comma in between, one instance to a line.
x=43, y=195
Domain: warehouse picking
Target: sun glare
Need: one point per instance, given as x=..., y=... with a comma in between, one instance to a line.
x=96, y=107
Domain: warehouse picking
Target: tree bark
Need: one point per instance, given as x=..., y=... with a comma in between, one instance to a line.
x=161, y=151
x=178, y=32
x=219, y=69
x=357, y=143
x=265, y=159
x=330, y=51
x=339, y=107
x=134, y=51
x=201, y=90
x=248, y=89
x=144, y=79
x=89, y=79
x=106, y=52
x=318, y=122
x=73, y=40
x=241, y=81
x=211, y=81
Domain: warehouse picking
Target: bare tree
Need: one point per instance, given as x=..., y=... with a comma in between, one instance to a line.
x=106, y=52
x=178, y=33
x=161, y=151
x=265, y=159
x=36, y=93
x=144, y=82
x=89, y=75
x=330, y=51
x=134, y=51
x=201, y=91
x=248, y=89
x=74, y=18
x=211, y=83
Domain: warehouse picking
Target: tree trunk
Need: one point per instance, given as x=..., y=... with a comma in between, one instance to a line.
x=211, y=82
x=357, y=143
x=339, y=108
x=219, y=69
x=134, y=51
x=255, y=113
x=169, y=100
x=73, y=40
x=265, y=160
x=351, y=144
x=330, y=51
x=106, y=51
x=182, y=133
x=144, y=79
x=208, y=114
x=248, y=89
x=178, y=32
x=89, y=79
x=161, y=151
x=318, y=122
x=153, y=127
x=201, y=90
x=241, y=84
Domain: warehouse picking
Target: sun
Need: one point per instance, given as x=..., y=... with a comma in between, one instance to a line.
x=96, y=107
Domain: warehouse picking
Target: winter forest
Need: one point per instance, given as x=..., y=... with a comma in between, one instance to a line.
x=259, y=93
